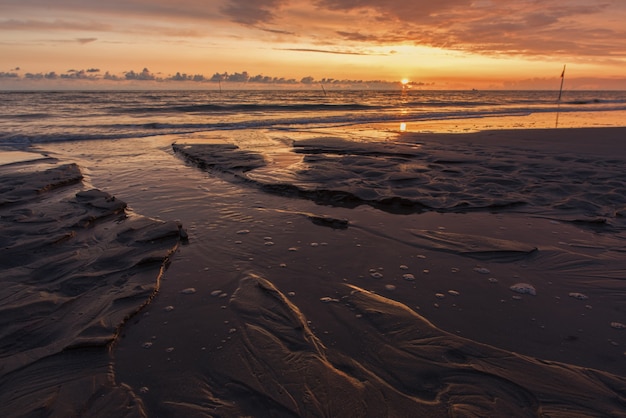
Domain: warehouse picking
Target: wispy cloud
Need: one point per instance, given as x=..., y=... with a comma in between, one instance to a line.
x=408, y=11
x=86, y=40
x=276, y=31
x=194, y=9
x=52, y=25
x=328, y=51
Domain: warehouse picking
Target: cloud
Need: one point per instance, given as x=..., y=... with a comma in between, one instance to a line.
x=380, y=37
x=41, y=76
x=327, y=51
x=243, y=79
x=52, y=25
x=235, y=80
x=251, y=12
x=186, y=77
x=277, y=31
x=487, y=27
x=357, y=36
x=144, y=75
x=416, y=11
x=550, y=32
x=86, y=40
x=196, y=9
x=79, y=75
x=528, y=28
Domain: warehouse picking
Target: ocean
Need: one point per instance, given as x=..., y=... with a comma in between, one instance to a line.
x=42, y=117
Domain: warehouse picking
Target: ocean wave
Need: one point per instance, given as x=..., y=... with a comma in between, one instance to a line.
x=25, y=116
x=44, y=117
x=596, y=101
x=252, y=107
x=130, y=130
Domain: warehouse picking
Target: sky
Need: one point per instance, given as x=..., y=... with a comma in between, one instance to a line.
x=434, y=44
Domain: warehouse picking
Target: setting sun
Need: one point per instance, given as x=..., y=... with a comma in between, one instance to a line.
x=404, y=81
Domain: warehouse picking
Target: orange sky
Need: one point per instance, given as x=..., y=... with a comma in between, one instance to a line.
x=434, y=43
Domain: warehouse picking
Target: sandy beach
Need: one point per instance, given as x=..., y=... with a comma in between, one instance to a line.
x=316, y=273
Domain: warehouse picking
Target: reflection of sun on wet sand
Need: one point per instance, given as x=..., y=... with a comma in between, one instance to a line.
x=431, y=275
x=18, y=156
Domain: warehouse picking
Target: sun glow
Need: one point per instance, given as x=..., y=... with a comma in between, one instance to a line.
x=404, y=81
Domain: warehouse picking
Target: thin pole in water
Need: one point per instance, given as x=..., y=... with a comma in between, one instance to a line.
x=559, y=99
x=323, y=89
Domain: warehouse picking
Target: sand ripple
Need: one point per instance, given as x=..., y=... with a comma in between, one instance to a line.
x=277, y=366
x=475, y=246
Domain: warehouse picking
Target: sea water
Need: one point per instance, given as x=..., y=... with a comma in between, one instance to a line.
x=50, y=116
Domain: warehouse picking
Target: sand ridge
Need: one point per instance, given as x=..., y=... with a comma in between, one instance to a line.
x=75, y=266
x=512, y=170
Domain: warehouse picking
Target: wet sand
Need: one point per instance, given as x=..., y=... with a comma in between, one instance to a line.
x=325, y=275
x=75, y=266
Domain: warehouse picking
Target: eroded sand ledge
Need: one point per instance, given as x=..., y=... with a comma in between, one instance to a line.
x=75, y=265
x=571, y=171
